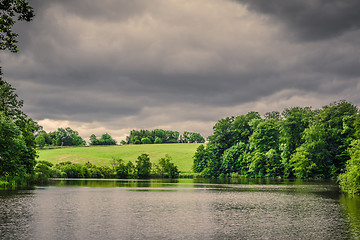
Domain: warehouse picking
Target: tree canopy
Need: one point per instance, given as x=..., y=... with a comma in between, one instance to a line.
x=299, y=142
x=60, y=137
x=105, y=139
x=17, y=142
x=17, y=148
x=158, y=136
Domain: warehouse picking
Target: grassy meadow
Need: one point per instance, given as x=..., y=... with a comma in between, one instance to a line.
x=181, y=154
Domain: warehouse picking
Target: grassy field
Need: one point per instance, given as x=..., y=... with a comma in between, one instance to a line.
x=181, y=154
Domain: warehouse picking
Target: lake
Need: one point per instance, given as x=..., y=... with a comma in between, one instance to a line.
x=180, y=209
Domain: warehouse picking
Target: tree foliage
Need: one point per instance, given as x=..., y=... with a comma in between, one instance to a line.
x=105, y=139
x=191, y=137
x=165, y=168
x=9, y=10
x=17, y=147
x=158, y=136
x=299, y=142
x=350, y=179
x=17, y=150
x=143, y=166
x=60, y=137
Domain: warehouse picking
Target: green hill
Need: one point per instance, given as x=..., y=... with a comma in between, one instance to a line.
x=181, y=154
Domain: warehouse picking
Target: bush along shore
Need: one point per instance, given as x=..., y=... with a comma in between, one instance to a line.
x=143, y=168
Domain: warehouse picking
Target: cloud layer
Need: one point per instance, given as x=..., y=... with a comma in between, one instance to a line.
x=112, y=66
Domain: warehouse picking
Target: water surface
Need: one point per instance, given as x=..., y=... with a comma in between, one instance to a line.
x=180, y=209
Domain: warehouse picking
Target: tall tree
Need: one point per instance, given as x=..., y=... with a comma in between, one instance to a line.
x=17, y=152
x=295, y=121
x=13, y=118
x=326, y=140
x=67, y=137
x=106, y=139
x=143, y=166
x=242, y=127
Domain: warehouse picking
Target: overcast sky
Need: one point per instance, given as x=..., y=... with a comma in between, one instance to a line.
x=112, y=66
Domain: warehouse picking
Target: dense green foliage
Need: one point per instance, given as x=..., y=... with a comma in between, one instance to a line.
x=350, y=180
x=165, y=168
x=105, y=139
x=299, y=142
x=61, y=137
x=162, y=136
x=143, y=168
x=191, y=137
x=17, y=143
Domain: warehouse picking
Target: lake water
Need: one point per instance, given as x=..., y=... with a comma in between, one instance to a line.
x=179, y=209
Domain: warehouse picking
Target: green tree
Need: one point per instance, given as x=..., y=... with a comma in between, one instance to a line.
x=106, y=139
x=272, y=115
x=8, y=10
x=67, y=137
x=242, y=127
x=136, y=140
x=230, y=159
x=327, y=138
x=146, y=140
x=199, y=159
x=17, y=151
x=266, y=136
x=157, y=140
x=40, y=141
x=350, y=179
x=43, y=134
x=303, y=166
x=93, y=140
x=192, y=137
x=123, y=170
x=223, y=136
x=10, y=110
x=166, y=168
x=42, y=172
x=12, y=146
x=292, y=128
x=143, y=166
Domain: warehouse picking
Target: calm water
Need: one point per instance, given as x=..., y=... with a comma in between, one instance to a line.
x=182, y=209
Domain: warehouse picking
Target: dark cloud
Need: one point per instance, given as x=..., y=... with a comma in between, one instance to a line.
x=148, y=64
x=312, y=19
x=105, y=10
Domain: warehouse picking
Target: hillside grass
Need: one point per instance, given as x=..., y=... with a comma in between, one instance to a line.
x=181, y=154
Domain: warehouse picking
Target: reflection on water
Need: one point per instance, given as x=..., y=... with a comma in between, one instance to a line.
x=351, y=208
x=180, y=209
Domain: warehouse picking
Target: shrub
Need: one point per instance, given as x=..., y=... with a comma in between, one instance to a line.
x=146, y=140
x=157, y=140
x=166, y=168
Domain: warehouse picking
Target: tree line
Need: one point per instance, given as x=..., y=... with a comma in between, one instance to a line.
x=299, y=142
x=143, y=168
x=60, y=137
x=69, y=137
x=158, y=136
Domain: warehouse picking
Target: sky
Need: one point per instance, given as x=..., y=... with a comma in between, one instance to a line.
x=111, y=66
